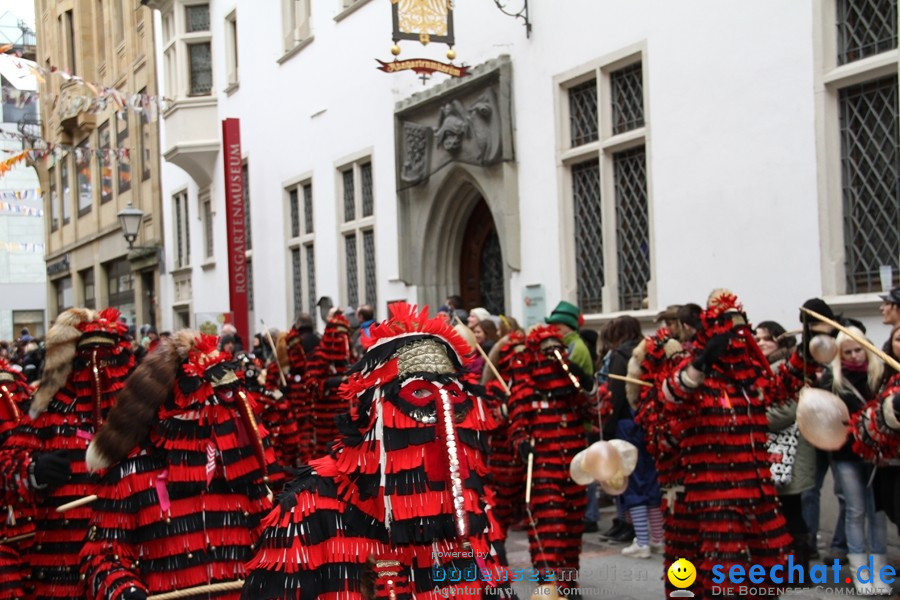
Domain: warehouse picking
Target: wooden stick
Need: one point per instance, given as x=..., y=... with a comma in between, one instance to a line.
x=223, y=586
x=76, y=503
x=17, y=538
x=274, y=353
x=787, y=334
x=860, y=340
x=487, y=360
x=528, y=478
x=631, y=380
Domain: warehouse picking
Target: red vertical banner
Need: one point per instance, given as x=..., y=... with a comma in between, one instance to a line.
x=236, y=226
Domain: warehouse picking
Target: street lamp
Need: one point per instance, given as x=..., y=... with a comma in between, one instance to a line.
x=130, y=220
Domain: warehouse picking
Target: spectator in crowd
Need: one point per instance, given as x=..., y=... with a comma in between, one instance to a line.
x=486, y=334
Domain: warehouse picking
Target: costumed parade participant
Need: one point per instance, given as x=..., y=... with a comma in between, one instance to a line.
x=17, y=529
x=184, y=467
x=652, y=360
x=399, y=501
x=299, y=394
x=277, y=412
x=328, y=366
x=720, y=393
x=507, y=470
x=547, y=411
x=88, y=358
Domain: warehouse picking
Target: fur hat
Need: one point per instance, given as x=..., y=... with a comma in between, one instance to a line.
x=62, y=342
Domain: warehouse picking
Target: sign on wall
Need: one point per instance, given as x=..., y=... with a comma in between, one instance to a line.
x=236, y=225
x=535, y=302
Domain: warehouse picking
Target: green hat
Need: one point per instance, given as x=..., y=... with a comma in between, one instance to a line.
x=565, y=313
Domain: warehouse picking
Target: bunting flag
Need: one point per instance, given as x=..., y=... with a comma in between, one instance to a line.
x=100, y=99
x=21, y=195
x=18, y=209
x=8, y=163
x=22, y=247
x=44, y=148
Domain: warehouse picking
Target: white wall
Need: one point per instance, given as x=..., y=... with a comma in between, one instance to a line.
x=731, y=146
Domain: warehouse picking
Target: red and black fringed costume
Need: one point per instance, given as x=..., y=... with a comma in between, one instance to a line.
x=327, y=368
x=17, y=529
x=652, y=361
x=276, y=410
x=184, y=466
x=548, y=410
x=401, y=498
x=300, y=395
x=87, y=360
x=728, y=486
x=876, y=437
x=506, y=469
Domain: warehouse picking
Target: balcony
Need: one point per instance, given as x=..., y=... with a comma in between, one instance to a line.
x=74, y=100
x=192, y=136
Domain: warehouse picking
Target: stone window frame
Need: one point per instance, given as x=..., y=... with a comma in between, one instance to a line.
x=828, y=80
x=176, y=55
x=357, y=226
x=304, y=242
x=604, y=149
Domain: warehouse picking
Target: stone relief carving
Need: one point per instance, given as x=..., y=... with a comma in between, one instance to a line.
x=467, y=130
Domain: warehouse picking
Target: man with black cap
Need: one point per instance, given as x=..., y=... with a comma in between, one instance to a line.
x=890, y=307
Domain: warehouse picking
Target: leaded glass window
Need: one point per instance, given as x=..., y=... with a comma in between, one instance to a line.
x=310, y=276
x=65, y=186
x=865, y=28
x=632, y=228
x=627, y=95
x=200, y=59
x=588, y=235
x=352, y=273
x=365, y=175
x=295, y=212
x=250, y=285
x=297, y=276
x=349, y=196
x=308, y=207
x=583, y=113
x=197, y=18
x=369, y=267
x=870, y=171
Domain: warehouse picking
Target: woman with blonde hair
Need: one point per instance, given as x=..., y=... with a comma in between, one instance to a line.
x=855, y=376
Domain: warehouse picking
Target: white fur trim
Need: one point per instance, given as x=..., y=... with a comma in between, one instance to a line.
x=94, y=460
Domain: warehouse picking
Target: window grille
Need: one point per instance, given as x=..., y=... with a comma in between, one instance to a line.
x=365, y=174
x=632, y=229
x=310, y=276
x=588, y=235
x=865, y=28
x=369, y=266
x=352, y=277
x=492, y=294
x=308, y=207
x=870, y=170
x=295, y=212
x=627, y=91
x=349, y=196
x=298, y=280
x=583, y=113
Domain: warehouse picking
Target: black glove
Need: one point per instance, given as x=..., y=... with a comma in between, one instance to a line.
x=51, y=470
x=712, y=351
x=524, y=450
x=134, y=594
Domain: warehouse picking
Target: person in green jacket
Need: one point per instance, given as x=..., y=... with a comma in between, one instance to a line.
x=567, y=317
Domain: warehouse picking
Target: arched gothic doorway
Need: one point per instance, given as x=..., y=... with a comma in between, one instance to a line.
x=481, y=262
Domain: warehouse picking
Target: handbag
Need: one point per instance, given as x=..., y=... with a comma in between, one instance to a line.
x=782, y=449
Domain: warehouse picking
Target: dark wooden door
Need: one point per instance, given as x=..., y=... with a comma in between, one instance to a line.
x=481, y=263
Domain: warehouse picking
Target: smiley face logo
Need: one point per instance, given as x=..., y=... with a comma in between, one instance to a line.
x=682, y=573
